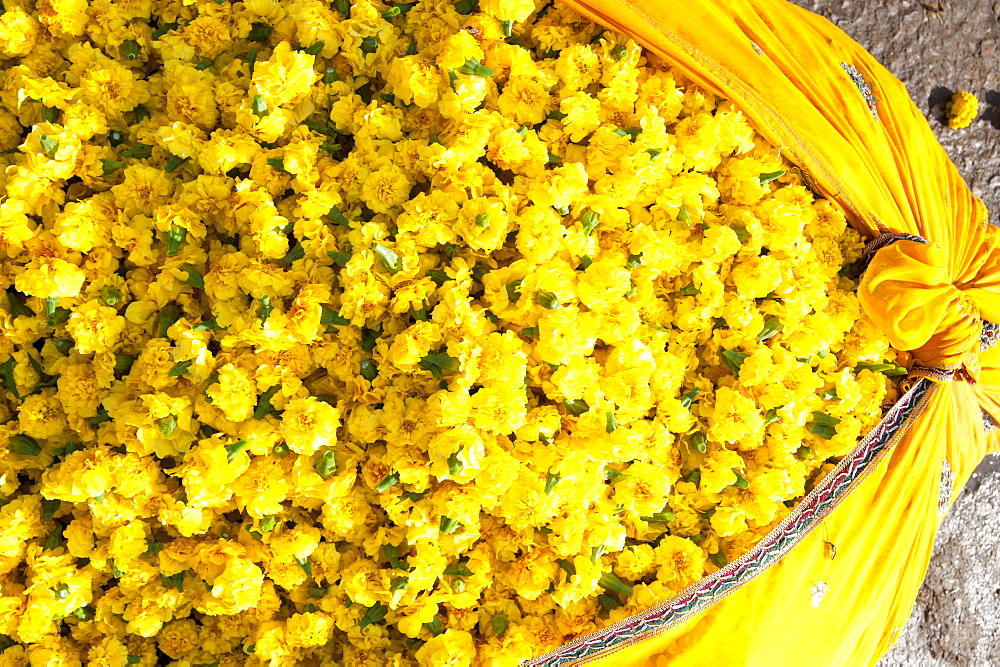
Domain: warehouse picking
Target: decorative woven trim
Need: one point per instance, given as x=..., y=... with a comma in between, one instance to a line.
x=990, y=335
x=934, y=374
x=864, y=88
x=808, y=514
x=947, y=487
x=989, y=423
x=881, y=241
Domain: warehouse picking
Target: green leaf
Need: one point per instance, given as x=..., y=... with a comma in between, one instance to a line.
x=369, y=370
x=695, y=477
x=55, y=539
x=326, y=464
x=139, y=151
x=660, y=517
x=460, y=570
x=180, y=368
x=387, y=482
x=719, y=558
x=589, y=220
x=687, y=399
x=175, y=580
x=315, y=49
x=700, y=442
x=434, y=627
x=608, y=602
x=233, y=450
x=551, y=479
x=824, y=419
x=610, y=423
x=388, y=258
x=473, y=67
x=374, y=614
x=208, y=325
x=84, y=613
x=268, y=523
x=259, y=32
x=613, y=584
x=259, y=106
x=531, y=332
x=264, y=406
x=344, y=7
x=690, y=290
x=265, y=307
x=770, y=176
x=101, y=417
x=805, y=453
x=772, y=325
x=455, y=464
x=771, y=416
x=49, y=508
x=175, y=237
x=734, y=360
x=24, y=445
x=305, y=565
x=466, y=7
x=654, y=153
x=203, y=65
x=49, y=145
x=741, y=481
x=619, y=52
x=683, y=215
x=567, y=566
x=547, y=299
x=169, y=315
x=576, y=406
x=499, y=623
x=130, y=49
x=370, y=338
x=167, y=424
x=436, y=363
x=891, y=370
x=110, y=166
x=449, y=526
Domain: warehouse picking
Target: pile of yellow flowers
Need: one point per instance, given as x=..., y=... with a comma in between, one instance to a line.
x=363, y=333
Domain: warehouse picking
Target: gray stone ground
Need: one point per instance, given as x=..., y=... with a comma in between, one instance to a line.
x=937, y=47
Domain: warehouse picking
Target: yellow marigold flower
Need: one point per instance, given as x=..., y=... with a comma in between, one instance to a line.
x=962, y=109
x=50, y=277
x=178, y=638
x=756, y=277
x=128, y=542
x=95, y=328
x=142, y=189
x=386, y=188
x=308, y=424
x=234, y=393
x=453, y=648
x=113, y=89
x=18, y=32
x=236, y=589
x=525, y=100
x=285, y=77
x=41, y=415
x=680, y=562
x=308, y=630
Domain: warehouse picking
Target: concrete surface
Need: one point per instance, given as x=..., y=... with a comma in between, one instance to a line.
x=937, y=47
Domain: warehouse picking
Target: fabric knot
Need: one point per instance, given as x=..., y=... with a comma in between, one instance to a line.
x=908, y=292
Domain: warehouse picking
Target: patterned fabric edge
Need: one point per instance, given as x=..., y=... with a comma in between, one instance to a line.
x=807, y=515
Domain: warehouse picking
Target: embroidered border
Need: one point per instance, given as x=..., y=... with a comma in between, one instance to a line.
x=864, y=88
x=881, y=241
x=807, y=515
x=947, y=487
x=990, y=335
x=989, y=423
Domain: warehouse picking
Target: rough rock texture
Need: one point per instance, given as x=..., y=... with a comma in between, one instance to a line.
x=937, y=47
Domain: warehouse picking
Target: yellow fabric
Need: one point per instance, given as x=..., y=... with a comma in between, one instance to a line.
x=889, y=173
